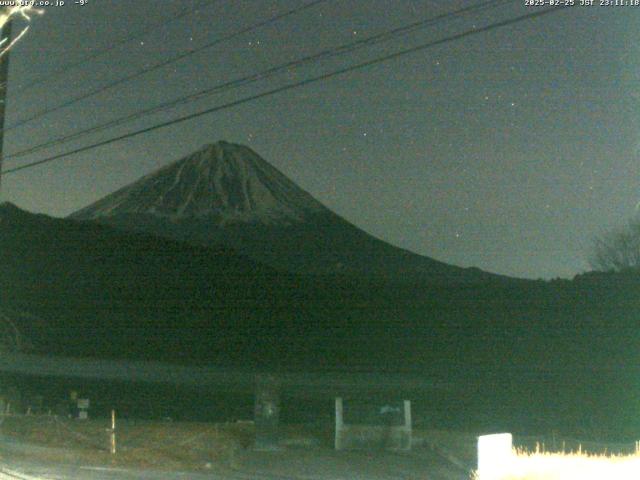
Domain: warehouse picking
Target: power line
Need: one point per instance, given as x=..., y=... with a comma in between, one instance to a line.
x=334, y=51
x=284, y=88
x=162, y=64
x=67, y=67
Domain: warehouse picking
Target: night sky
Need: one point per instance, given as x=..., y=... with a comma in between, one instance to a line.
x=508, y=150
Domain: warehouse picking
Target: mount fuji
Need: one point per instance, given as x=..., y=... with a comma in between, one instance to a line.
x=226, y=194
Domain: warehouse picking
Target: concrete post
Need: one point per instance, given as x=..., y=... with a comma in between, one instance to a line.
x=407, y=414
x=267, y=413
x=339, y=423
x=408, y=427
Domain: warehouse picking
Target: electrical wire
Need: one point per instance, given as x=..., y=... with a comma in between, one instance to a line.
x=316, y=79
x=67, y=67
x=270, y=72
x=160, y=65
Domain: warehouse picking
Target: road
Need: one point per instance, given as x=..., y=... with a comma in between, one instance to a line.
x=427, y=461
x=282, y=465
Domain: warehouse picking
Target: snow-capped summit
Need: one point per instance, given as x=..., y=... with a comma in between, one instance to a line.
x=223, y=181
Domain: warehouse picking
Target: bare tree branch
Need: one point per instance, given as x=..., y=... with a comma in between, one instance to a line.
x=618, y=250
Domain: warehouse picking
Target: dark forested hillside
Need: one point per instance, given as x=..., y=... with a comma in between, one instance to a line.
x=523, y=346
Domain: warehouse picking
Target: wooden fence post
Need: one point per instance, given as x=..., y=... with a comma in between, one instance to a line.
x=339, y=424
x=113, y=432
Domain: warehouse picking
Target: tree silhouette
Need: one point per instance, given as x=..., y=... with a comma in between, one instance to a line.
x=619, y=249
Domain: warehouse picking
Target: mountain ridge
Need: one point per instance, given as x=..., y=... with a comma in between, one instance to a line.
x=227, y=194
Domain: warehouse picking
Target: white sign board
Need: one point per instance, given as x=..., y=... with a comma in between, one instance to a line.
x=495, y=455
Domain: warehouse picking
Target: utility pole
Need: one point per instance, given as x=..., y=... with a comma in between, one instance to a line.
x=5, y=33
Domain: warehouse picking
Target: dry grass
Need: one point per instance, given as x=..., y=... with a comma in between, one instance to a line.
x=161, y=445
x=524, y=465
